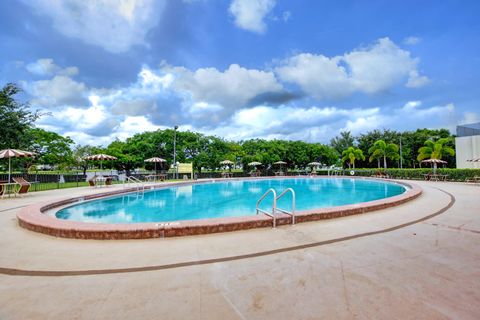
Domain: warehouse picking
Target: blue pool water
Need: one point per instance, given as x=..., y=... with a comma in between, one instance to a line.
x=226, y=199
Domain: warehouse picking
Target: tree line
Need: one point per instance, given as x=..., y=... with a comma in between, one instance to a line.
x=372, y=149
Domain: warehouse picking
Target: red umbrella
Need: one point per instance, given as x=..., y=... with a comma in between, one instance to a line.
x=100, y=157
x=155, y=160
x=13, y=153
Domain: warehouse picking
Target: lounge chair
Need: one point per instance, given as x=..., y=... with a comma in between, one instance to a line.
x=2, y=187
x=475, y=179
x=92, y=181
x=24, y=185
x=108, y=180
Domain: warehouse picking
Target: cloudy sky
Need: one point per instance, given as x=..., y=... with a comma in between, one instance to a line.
x=239, y=69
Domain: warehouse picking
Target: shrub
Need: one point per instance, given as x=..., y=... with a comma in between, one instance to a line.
x=418, y=174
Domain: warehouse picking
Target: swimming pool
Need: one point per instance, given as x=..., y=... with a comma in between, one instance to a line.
x=231, y=198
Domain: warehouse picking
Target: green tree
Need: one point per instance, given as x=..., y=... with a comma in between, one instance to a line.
x=127, y=158
x=380, y=149
x=343, y=141
x=366, y=140
x=15, y=118
x=50, y=147
x=435, y=150
x=351, y=154
x=80, y=152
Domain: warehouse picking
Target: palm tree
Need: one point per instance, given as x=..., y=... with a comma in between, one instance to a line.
x=352, y=154
x=435, y=150
x=380, y=149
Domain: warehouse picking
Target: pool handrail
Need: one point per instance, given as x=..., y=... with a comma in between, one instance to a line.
x=291, y=213
x=132, y=179
x=274, y=205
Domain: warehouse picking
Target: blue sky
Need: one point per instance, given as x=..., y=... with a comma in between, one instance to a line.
x=242, y=69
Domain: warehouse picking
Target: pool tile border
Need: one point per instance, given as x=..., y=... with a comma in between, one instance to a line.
x=34, y=218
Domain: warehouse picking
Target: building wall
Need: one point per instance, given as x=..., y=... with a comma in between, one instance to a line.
x=467, y=148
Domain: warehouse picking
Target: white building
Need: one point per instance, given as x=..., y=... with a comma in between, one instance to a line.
x=467, y=145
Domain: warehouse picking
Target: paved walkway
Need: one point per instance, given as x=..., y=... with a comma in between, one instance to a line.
x=393, y=263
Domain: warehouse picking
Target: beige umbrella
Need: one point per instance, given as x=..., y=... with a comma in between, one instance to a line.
x=227, y=163
x=434, y=162
x=13, y=153
x=314, y=164
x=280, y=163
x=100, y=157
x=255, y=163
x=155, y=160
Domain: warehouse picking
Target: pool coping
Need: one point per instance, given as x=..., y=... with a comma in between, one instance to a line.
x=34, y=218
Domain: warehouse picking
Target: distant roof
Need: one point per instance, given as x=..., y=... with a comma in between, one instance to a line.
x=466, y=130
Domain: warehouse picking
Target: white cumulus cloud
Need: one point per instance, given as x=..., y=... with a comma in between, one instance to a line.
x=58, y=91
x=250, y=14
x=114, y=25
x=232, y=88
x=47, y=67
x=369, y=70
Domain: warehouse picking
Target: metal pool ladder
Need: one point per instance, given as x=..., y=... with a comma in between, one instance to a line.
x=276, y=210
x=139, y=184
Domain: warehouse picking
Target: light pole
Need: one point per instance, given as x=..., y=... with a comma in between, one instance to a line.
x=401, y=157
x=175, y=151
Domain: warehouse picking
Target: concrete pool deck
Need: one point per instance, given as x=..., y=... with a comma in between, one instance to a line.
x=392, y=263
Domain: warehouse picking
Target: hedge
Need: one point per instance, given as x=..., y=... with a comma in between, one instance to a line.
x=418, y=174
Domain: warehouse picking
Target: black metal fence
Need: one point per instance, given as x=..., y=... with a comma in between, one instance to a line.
x=47, y=180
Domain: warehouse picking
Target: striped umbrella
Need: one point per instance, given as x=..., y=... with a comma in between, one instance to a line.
x=435, y=162
x=100, y=157
x=474, y=160
x=155, y=160
x=13, y=153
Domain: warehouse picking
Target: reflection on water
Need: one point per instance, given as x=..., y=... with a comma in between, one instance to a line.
x=225, y=199
x=184, y=191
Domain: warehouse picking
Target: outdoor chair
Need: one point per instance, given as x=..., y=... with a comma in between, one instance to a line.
x=24, y=185
x=475, y=179
x=92, y=181
x=2, y=187
x=108, y=180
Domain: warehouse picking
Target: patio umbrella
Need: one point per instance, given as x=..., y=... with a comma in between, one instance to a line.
x=155, y=160
x=474, y=160
x=13, y=153
x=100, y=157
x=314, y=164
x=227, y=163
x=255, y=163
x=280, y=163
x=434, y=162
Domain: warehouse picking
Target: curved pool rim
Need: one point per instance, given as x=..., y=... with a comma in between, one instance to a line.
x=34, y=217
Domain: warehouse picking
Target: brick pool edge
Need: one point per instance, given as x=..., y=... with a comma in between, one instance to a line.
x=33, y=218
